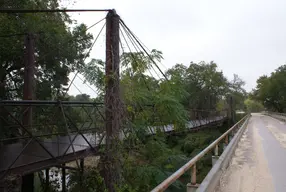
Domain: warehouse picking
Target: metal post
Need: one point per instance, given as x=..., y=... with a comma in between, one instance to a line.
x=47, y=184
x=112, y=100
x=28, y=94
x=216, y=150
x=225, y=142
x=194, y=175
x=215, y=157
x=226, y=139
x=63, y=178
x=191, y=187
x=81, y=163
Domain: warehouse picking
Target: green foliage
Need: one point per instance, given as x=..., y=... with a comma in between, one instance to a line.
x=202, y=86
x=150, y=165
x=198, y=141
x=59, y=48
x=155, y=102
x=253, y=106
x=94, y=73
x=91, y=181
x=270, y=91
x=206, y=85
x=237, y=92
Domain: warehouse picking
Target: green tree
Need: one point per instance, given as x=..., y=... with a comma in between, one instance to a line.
x=147, y=102
x=238, y=93
x=205, y=84
x=59, y=48
x=271, y=90
x=253, y=106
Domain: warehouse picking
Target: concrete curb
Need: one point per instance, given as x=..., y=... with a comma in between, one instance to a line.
x=212, y=180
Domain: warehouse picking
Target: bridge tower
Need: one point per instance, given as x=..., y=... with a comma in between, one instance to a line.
x=112, y=101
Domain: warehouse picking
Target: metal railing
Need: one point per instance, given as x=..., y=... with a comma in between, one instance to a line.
x=274, y=113
x=192, y=163
x=279, y=116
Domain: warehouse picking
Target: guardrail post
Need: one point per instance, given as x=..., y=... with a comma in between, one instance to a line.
x=215, y=156
x=225, y=142
x=191, y=187
x=230, y=136
x=216, y=150
x=194, y=175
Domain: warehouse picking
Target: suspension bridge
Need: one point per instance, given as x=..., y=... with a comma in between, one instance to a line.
x=40, y=148
x=41, y=134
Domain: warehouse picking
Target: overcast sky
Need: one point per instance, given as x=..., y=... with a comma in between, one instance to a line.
x=245, y=37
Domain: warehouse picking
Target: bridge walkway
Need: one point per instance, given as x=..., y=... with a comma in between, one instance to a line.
x=28, y=157
x=259, y=160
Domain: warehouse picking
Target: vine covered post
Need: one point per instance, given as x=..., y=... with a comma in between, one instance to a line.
x=112, y=102
x=28, y=94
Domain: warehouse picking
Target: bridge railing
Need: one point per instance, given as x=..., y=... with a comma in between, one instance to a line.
x=275, y=113
x=192, y=163
x=49, y=118
x=280, y=116
x=56, y=130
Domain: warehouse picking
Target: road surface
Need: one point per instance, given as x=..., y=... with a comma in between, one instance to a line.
x=259, y=163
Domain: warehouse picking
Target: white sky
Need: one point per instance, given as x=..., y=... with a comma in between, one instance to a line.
x=246, y=37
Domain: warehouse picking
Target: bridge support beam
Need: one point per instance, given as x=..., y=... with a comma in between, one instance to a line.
x=47, y=183
x=63, y=178
x=81, y=163
x=112, y=102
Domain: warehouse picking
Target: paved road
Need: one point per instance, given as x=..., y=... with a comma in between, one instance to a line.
x=259, y=163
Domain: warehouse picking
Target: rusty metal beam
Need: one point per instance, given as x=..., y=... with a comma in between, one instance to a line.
x=50, y=10
x=40, y=165
x=46, y=102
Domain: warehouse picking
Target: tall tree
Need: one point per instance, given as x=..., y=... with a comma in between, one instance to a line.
x=59, y=49
x=210, y=83
x=237, y=92
x=271, y=90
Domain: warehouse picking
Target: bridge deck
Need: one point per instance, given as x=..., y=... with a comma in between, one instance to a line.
x=259, y=160
x=34, y=157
